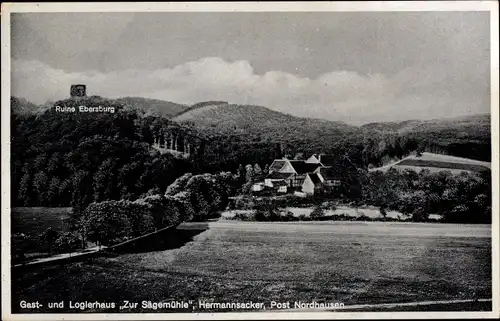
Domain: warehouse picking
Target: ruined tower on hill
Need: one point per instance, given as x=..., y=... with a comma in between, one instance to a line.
x=78, y=91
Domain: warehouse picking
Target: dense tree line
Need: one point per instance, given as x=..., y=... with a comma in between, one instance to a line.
x=190, y=197
x=462, y=198
x=74, y=159
x=242, y=132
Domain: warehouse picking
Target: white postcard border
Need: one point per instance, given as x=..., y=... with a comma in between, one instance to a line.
x=8, y=8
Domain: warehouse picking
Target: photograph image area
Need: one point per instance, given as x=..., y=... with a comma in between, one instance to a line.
x=213, y=162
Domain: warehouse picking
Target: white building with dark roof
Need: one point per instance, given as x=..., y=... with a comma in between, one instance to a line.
x=310, y=176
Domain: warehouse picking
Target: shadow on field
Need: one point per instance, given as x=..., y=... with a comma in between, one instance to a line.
x=169, y=239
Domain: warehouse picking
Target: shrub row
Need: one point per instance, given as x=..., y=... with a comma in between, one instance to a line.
x=252, y=202
x=190, y=197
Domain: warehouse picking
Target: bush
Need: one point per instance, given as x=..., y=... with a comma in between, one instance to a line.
x=303, y=217
x=243, y=217
x=68, y=242
x=266, y=210
x=106, y=222
x=329, y=205
x=161, y=211
x=464, y=198
x=288, y=216
x=317, y=213
x=363, y=217
x=203, y=196
x=260, y=215
x=48, y=238
x=21, y=243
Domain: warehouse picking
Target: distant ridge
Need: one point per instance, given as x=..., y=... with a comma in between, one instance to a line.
x=464, y=136
x=153, y=107
x=196, y=109
x=22, y=106
x=420, y=125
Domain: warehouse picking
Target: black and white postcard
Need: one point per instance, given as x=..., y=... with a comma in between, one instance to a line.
x=249, y=160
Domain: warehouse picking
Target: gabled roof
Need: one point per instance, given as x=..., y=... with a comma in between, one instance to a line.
x=315, y=178
x=301, y=167
x=313, y=159
x=330, y=173
x=277, y=165
x=278, y=175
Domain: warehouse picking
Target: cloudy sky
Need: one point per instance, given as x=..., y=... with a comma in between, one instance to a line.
x=355, y=67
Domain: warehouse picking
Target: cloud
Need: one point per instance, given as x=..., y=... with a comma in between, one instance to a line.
x=429, y=92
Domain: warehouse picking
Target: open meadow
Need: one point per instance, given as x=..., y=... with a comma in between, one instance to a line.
x=232, y=261
x=35, y=220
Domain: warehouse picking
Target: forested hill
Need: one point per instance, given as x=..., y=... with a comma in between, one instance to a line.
x=465, y=136
x=21, y=106
x=379, y=143
x=276, y=133
x=153, y=107
x=258, y=120
x=474, y=124
x=73, y=158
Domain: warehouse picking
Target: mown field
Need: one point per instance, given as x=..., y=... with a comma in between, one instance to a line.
x=233, y=261
x=35, y=220
x=437, y=162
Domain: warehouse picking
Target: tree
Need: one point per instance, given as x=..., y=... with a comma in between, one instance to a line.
x=249, y=173
x=317, y=213
x=179, y=184
x=183, y=201
x=81, y=187
x=67, y=242
x=53, y=191
x=161, y=212
x=103, y=181
x=20, y=244
x=241, y=171
x=246, y=188
x=48, y=238
x=266, y=210
x=40, y=185
x=25, y=189
x=415, y=204
x=257, y=172
x=106, y=223
x=383, y=212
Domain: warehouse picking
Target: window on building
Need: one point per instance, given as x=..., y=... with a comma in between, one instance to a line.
x=282, y=189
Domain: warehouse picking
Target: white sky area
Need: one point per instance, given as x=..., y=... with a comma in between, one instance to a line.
x=355, y=67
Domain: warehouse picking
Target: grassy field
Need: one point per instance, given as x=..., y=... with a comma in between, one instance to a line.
x=35, y=220
x=436, y=163
x=32, y=222
x=233, y=261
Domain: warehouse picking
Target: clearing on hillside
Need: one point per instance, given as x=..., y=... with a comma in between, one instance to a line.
x=436, y=163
